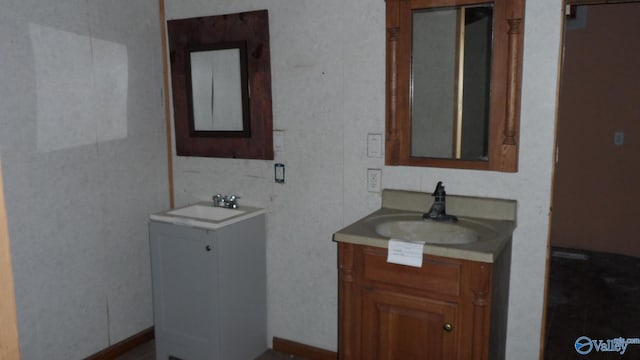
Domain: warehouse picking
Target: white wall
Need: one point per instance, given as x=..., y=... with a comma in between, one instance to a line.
x=328, y=65
x=82, y=141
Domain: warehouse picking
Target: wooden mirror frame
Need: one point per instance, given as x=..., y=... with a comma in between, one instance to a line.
x=250, y=28
x=506, y=73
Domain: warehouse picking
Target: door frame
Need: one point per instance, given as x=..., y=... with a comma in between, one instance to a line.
x=9, y=341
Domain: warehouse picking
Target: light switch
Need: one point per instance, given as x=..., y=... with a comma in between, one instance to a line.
x=374, y=145
x=278, y=141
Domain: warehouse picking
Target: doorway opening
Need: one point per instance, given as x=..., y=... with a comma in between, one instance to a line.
x=594, y=267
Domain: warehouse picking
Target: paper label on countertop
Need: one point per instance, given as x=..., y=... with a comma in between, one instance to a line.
x=405, y=252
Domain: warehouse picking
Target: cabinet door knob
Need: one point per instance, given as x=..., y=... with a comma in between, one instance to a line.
x=208, y=247
x=448, y=327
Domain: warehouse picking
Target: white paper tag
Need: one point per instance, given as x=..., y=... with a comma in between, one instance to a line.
x=405, y=252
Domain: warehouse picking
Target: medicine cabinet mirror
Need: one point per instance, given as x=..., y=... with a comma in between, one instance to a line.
x=221, y=84
x=453, y=83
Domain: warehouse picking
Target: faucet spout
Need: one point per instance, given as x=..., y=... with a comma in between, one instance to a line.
x=438, y=210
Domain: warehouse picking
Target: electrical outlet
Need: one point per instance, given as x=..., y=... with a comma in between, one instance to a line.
x=374, y=177
x=278, y=173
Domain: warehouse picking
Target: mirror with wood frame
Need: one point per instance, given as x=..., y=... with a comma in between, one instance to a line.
x=453, y=83
x=221, y=85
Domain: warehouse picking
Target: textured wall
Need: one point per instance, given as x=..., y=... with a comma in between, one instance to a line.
x=328, y=65
x=84, y=162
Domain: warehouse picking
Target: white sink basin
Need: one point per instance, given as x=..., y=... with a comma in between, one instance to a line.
x=205, y=215
x=206, y=212
x=412, y=227
x=430, y=232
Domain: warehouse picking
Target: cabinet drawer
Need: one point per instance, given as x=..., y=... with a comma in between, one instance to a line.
x=436, y=275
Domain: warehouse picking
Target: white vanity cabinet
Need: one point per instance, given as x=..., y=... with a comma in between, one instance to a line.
x=209, y=290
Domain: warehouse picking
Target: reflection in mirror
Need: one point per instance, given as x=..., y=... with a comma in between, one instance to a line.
x=451, y=82
x=218, y=89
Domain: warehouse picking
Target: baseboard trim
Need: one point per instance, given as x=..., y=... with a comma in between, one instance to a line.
x=302, y=350
x=125, y=345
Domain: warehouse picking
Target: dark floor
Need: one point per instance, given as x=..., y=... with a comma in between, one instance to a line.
x=147, y=352
x=598, y=297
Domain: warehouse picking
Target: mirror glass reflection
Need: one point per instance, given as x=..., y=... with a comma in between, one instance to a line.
x=451, y=82
x=217, y=97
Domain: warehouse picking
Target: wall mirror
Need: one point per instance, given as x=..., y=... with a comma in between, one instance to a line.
x=219, y=92
x=453, y=83
x=221, y=85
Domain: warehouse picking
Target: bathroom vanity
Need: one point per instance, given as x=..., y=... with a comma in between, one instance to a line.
x=454, y=306
x=209, y=282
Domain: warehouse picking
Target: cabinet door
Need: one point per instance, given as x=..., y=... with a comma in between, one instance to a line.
x=402, y=327
x=185, y=288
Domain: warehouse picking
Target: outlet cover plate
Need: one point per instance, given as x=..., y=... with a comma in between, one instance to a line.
x=374, y=178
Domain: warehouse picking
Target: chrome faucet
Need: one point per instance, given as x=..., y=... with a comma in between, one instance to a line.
x=226, y=201
x=438, y=210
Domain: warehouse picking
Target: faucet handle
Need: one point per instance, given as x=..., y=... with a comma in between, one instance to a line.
x=232, y=201
x=218, y=200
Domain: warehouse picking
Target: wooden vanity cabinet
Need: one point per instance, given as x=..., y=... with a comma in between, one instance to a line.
x=448, y=309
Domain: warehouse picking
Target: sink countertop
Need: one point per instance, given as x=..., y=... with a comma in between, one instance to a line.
x=167, y=217
x=362, y=232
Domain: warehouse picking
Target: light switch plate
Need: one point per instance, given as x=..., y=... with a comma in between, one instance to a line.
x=374, y=145
x=374, y=178
x=278, y=140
